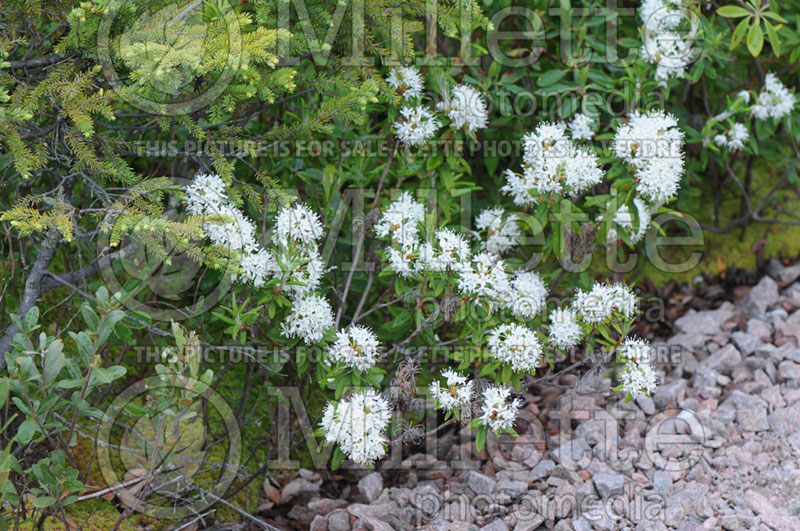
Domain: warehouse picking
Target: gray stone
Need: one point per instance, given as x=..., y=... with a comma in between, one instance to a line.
x=647, y=405
x=723, y=361
x=662, y=482
x=542, y=469
x=427, y=499
x=608, y=485
x=706, y=322
x=789, y=370
x=770, y=514
x=752, y=419
x=761, y=297
x=572, y=452
x=319, y=523
x=297, y=487
x=515, y=489
x=745, y=342
x=480, y=483
x=371, y=486
x=496, y=525
x=339, y=520
x=669, y=393
x=785, y=420
x=760, y=329
x=781, y=273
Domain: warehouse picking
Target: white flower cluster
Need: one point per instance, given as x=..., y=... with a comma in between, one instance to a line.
x=527, y=295
x=638, y=377
x=599, y=304
x=498, y=414
x=775, y=101
x=517, y=346
x=293, y=257
x=485, y=276
x=466, y=108
x=653, y=145
x=552, y=164
x=417, y=127
x=446, y=253
x=358, y=424
x=665, y=45
x=580, y=127
x=356, y=347
x=734, y=139
x=234, y=232
x=456, y=393
x=407, y=81
x=310, y=318
x=502, y=231
x=565, y=330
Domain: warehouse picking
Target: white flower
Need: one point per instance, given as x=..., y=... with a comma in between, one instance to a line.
x=744, y=95
x=297, y=223
x=527, y=295
x=622, y=299
x=653, y=145
x=456, y=393
x=565, y=331
x=668, y=49
x=400, y=221
x=775, y=101
x=401, y=260
x=581, y=127
x=258, y=267
x=407, y=80
x=450, y=251
x=310, y=318
x=484, y=276
x=643, y=211
x=735, y=138
x=502, y=232
x=598, y=304
x=358, y=424
x=497, y=414
x=516, y=345
x=552, y=164
x=638, y=377
x=234, y=232
x=417, y=127
x=357, y=347
x=466, y=108
x=206, y=193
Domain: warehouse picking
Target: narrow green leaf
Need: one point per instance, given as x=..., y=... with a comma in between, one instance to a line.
x=733, y=12
x=755, y=40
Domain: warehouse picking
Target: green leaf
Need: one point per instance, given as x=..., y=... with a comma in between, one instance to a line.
x=755, y=40
x=107, y=326
x=54, y=361
x=550, y=77
x=4, y=385
x=733, y=12
x=739, y=33
x=338, y=458
x=26, y=431
x=44, y=501
x=31, y=318
x=480, y=439
x=772, y=35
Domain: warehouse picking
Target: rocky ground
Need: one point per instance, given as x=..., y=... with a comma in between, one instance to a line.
x=716, y=447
